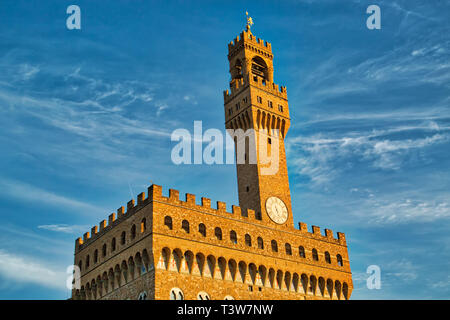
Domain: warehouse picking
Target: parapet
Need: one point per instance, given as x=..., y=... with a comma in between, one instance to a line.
x=155, y=194
x=237, y=85
x=316, y=234
x=247, y=38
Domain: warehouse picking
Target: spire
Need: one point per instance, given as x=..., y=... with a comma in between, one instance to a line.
x=249, y=22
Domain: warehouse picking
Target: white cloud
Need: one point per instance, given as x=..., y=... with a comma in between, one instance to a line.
x=23, y=191
x=64, y=228
x=405, y=210
x=28, y=270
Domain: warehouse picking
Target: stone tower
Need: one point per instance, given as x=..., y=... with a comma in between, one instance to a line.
x=259, y=107
x=164, y=246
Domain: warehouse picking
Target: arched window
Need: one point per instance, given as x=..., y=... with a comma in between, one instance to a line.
x=202, y=229
x=259, y=69
x=248, y=240
x=176, y=294
x=95, y=256
x=315, y=255
x=133, y=232
x=260, y=243
x=327, y=257
x=104, y=250
x=113, y=244
x=143, y=225
x=301, y=252
x=80, y=264
x=233, y=236
x=87, y=262
x=237, y=70
x=168, y=222
x=288, y=249
x=274, y=246
x=185, y=225
x=218, y=233
x=202, y=295
x=123, y=238
x=339, y=260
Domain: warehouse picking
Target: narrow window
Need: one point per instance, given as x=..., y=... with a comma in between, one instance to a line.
x=168, y=222
x=87, y=262
x=133, y=232
x=185, y=226
x=248, y=240
x=202, y=229
x=315, y=255
x=233, y=236
x=274, y=246
x=270, y=104
x=143, y=225
x=218, y=233
x=339, y=260
x=104, y=250
x=260, y=243
x=95, y=256
x=123, y=238
x=327, y=257
x=113, y=244
x=288, y=249
x=301, y=252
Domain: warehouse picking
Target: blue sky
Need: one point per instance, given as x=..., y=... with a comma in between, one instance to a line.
x=86, y=117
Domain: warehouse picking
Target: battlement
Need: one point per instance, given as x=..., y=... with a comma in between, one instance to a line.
x=155, y=194
x=237, y=85
x=316, y=234
x=247, y=38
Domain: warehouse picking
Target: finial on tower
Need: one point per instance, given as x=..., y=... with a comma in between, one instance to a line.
x=249, y=21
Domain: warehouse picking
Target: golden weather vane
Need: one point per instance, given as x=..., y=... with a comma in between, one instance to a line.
x=249, y=21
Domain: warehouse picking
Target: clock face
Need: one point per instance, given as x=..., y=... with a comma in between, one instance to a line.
x=277, y=210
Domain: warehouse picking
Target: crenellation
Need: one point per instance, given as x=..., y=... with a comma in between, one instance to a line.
x=236, y=211
x=102, y=225
x=303, y=227
x=190, y=199
x=174, y=195
x=130, y=205
x=86, y=236
x=140, y=198
x=94, y=231
x=206, y=203
x=111, y=219
x=316, y=230
x=221, y=207
x=341, y=238
x=120, y=212
x=78, y=243
x=329, y=234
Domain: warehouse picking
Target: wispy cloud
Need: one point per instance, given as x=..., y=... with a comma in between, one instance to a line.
x=27, y=192
x=316, y=156
x=64, y=228
x=28, y=270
